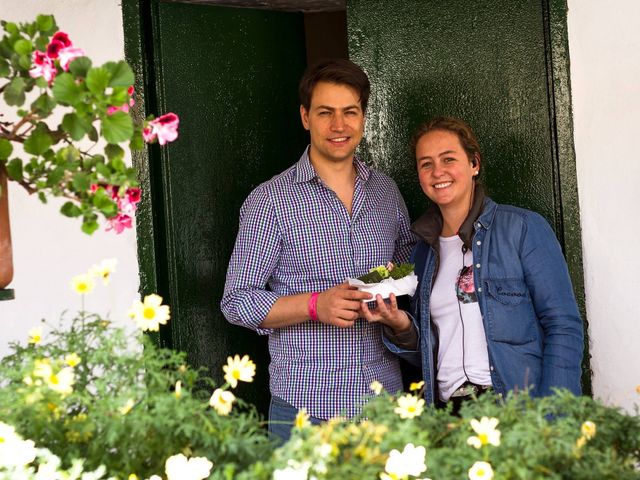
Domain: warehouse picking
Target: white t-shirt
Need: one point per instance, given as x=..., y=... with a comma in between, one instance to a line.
x=462, y=351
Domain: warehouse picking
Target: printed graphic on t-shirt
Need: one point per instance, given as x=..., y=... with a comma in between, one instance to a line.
x=465, y=289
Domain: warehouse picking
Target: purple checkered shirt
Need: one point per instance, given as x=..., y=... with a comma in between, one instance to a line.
x=296, y=236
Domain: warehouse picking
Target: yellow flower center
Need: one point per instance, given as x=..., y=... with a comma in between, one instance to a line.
x=82, y=287
x=149, y=313
x=411, y=409
x=54, y=379
x=236, y=373
x=481, y=472
x=484, y=438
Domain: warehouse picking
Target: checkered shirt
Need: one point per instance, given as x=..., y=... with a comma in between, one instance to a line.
x=296, y=236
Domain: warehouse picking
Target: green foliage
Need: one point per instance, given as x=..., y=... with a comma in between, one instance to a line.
x=82, y=97
x=123, y=412
x=539, y=440
x=381, y=272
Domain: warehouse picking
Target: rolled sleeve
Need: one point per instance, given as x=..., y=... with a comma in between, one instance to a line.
x=246, y=300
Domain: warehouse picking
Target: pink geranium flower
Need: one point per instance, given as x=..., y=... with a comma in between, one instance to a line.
x=67, y=55
x=164, y=128
x=61, y=37
x=118, y=223
x=124, y=108
x=53, y=49
x=134, y=195
x=42, y=66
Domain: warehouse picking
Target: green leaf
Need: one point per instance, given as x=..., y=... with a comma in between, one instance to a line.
x=69, y=209
x=98, y=80
x=137, y=142
x=121, y=74
x=24, y=61
x=120, y=96
x=14, y=92
x=117, y=128
x=113, y=151
x=75, y=126
x=44, y=105
x=39, y=141
x=80, y=66
x=93, y=134
x=42, y=197
x=23, y=47
x=5, y=148
x=55, y=176
x=14, y=169
x=65, y=89
x=45, y=23
x=11, y=28
x=109, y=210
x=81, y=182
x=89, y=226
x=4, y=68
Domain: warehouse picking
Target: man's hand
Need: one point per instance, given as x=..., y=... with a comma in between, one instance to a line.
x=340, y=305
x=389, y=315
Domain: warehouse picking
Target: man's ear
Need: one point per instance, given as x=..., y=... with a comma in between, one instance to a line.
x=304, y=116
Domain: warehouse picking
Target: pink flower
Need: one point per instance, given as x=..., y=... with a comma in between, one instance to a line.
x=43, y=66
x=53, y=49
x=165, y=128
x=126, y=207
x=134, y=194
x=148, y=134
x=112, y=110
x=67, y=54
x=118, y=223
x=61, y=37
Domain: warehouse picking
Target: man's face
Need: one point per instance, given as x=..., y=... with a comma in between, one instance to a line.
x=335, y=121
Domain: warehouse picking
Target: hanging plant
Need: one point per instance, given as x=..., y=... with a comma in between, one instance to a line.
x=73, y=124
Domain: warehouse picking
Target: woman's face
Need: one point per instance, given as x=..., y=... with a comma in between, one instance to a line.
x=445, y=170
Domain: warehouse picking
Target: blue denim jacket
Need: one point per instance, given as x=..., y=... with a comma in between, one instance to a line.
x=531, y=320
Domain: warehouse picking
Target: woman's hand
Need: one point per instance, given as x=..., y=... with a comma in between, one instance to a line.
x=389, y=315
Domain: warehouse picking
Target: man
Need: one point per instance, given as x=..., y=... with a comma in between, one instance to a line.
x=302, y=233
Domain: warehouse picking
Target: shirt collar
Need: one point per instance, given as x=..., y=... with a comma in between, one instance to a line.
x=305, y=171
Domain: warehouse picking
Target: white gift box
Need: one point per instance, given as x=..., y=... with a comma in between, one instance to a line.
x=403, y=286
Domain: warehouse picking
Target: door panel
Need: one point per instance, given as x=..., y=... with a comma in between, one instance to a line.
x=231, y=75
x=481, y=61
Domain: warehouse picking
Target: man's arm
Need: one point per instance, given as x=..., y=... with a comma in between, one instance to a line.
x=247, y=302
x=337, y=306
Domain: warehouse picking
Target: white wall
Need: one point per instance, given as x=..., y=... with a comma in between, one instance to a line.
x=604, y=41
x=50, y=249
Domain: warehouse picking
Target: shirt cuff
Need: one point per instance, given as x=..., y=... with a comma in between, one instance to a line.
x=404, y=340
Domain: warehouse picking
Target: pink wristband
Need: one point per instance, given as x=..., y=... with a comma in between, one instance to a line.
x=313, y=306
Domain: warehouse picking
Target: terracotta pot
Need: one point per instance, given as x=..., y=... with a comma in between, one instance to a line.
x=6, y=254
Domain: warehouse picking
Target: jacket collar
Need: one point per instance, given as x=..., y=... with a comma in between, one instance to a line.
x=429, y=226
x=305, y=171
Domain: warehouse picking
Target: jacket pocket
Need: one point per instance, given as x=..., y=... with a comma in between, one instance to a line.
x=510, y=316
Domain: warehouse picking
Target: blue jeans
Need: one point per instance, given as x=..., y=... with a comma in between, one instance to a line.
x=281, y=418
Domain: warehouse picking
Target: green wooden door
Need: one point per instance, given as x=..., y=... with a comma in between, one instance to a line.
x=231, y=75
x=500, y=65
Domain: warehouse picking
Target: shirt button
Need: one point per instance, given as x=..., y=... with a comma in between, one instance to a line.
x=477, y=265
x=491, y=368
x=479, y=289
x=478, y=242
x=478, y=225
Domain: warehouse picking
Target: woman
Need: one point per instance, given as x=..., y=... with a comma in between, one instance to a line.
x=494, y=307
